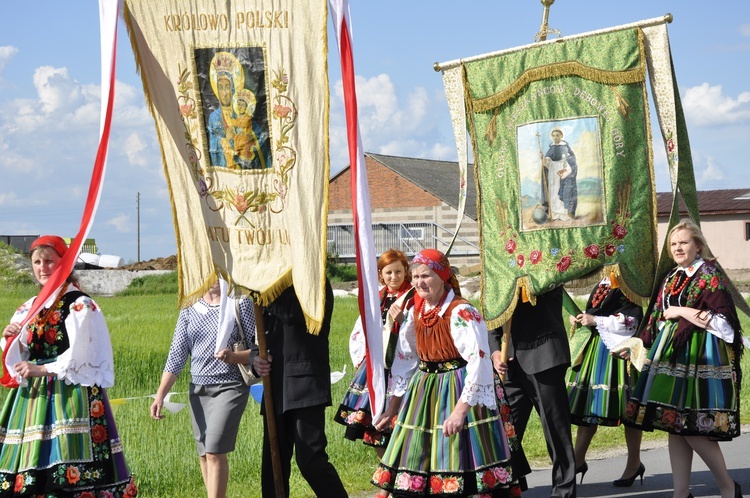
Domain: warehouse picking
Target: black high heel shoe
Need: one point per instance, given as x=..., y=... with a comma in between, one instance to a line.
x=737, y=490
x=582, y=470
x=626, y=482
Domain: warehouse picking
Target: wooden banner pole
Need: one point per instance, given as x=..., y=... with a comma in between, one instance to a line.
x=273, y=439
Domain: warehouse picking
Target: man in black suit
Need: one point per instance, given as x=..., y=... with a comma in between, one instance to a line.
x=301, y=388
x=538, y=357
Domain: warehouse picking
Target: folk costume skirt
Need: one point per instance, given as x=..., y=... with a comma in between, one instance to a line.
x=598, y=388
x=421, y=461
x=692, y=391
x=354, y=412
x=60, y=440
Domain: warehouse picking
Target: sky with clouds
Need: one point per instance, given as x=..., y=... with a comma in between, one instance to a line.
x=49, y=101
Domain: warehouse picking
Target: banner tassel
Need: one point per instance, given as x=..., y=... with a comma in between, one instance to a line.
x=614, y=283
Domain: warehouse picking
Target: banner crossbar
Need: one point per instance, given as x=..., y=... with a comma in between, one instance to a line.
x=442, y=66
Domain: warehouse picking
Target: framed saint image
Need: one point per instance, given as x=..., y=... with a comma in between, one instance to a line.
x=560, y=169
x=234, y=104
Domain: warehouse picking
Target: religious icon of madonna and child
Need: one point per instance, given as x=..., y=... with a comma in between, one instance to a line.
x=232, y=84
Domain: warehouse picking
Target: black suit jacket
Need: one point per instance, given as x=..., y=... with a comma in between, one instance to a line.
x=300, y=367
x=538, y=337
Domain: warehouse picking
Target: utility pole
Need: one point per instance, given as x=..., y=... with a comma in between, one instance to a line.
x=138, y=223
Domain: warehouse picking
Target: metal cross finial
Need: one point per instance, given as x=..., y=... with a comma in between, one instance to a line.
x=544, y=30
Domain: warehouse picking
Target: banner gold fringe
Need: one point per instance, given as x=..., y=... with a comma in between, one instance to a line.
x=611, y=271
x=523, y=285
x=569, y=68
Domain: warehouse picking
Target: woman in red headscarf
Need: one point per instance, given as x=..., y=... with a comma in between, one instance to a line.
x=449, y=438
x=60, y=435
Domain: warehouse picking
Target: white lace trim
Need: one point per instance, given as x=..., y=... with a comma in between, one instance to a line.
x=481, y=394
x=399, y=385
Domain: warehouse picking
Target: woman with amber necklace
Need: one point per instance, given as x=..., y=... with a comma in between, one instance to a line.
x=690, y=383
x=598, y=384
x=449, y=437
x=60, y=435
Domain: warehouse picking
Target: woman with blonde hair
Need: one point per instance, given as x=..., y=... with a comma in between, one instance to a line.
x=690, y=383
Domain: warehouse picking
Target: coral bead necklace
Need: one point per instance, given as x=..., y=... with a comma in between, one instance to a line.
x=599, y=295
x=430, y=318
x=675, y=287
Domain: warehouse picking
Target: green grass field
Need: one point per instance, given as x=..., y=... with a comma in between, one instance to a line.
x=162, y=454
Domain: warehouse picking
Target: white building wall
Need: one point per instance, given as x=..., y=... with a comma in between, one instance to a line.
x=725, y=235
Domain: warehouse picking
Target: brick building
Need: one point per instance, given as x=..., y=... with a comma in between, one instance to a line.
x=415, y=205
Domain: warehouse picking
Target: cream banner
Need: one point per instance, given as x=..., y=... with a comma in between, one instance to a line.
x=239, y=93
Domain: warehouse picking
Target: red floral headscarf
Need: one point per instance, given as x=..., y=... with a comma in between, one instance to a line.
x=438, y=262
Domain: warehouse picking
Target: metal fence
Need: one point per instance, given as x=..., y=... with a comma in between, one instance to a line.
x=410, y=238
x=22, y=243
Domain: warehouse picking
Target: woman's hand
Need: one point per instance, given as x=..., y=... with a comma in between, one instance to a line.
x=397, y=313
x=167, y=381
x=11, y=330
x=262, y=366
x=586, y=319
x=226, y=355
x=499, y=365
x=624, y=354
x=455, y=421
x=156, y=407
x=28, y=370
x=385, y=420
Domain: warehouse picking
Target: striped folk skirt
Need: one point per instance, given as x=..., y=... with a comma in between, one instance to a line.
x=60, y=440
x=421, y=461
x=692, y=391
x=598, y=388
x=354, y=412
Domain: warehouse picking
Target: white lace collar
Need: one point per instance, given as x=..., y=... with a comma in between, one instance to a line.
x=693, y=268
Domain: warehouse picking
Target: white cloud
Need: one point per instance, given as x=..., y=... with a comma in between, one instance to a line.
x=130, y=108
x=6, y=54
x=445, y=152
x=12, y=161
x=9, y=199
x=120, y=222
x=56, y=89
x=706, y=105
x=745, y=30
x=712, y=171
x=390, y=125
x=134, y=147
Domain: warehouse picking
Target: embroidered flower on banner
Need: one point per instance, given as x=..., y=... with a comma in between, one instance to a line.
x=564, y=263
x=619, y=231
x=591, y=251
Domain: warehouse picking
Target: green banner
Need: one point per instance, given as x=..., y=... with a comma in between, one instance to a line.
x=564, y=168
